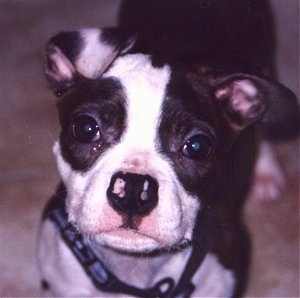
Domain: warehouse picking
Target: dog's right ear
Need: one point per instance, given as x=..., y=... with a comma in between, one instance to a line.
x=247, y=99
x=84, y=53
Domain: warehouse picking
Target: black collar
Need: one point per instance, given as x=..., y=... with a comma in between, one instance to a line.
x=104, y=279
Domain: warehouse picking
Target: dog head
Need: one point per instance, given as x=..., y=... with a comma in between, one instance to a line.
x=140, y=145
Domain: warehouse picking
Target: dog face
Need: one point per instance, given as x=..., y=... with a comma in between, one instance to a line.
x=140, y=145
x=123, y=112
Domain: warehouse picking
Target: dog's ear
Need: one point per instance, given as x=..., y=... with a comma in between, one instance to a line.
x=246, y=99
x=83, y=53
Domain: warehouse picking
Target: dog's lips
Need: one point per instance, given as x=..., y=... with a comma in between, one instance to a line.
x=127, y=239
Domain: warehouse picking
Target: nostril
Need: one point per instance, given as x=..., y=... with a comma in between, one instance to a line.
x=144, y=194
x=148, y=196
x=118, y=188
x=133, y=194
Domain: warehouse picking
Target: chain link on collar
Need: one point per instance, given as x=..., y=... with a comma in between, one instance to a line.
x=104, y=279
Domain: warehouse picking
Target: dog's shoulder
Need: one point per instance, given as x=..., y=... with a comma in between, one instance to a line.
x=60, y=268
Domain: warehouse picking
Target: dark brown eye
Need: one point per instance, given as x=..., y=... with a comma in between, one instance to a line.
x=85, y=129
x=198, y=147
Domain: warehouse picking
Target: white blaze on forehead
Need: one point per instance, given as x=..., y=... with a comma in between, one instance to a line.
x=145, y=90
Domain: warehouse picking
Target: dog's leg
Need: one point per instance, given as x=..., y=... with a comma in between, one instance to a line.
x=268, y=181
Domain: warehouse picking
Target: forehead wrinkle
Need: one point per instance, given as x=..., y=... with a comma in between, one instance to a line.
x=145, y=88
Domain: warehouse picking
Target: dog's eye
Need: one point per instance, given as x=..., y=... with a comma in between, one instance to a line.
x=85, y=129
x=198, y=147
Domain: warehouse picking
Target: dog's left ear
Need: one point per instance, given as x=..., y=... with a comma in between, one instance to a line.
x=82, y=53
x=246, y=99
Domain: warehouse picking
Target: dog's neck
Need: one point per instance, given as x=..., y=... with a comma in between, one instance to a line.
x=143, y=270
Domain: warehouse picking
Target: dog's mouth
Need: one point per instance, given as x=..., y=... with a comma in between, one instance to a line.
x=133, y=236
x=129, y=240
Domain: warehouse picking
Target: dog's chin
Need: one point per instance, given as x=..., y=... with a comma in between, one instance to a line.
x=133, y=241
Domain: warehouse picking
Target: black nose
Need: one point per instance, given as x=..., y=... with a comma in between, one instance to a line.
x=132, y=194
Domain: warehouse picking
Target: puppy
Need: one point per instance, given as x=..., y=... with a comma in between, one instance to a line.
x=156, y=158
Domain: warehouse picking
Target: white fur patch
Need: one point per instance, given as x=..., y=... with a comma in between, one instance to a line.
x=144, y=87
x=95, y=56
x=172, y=221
